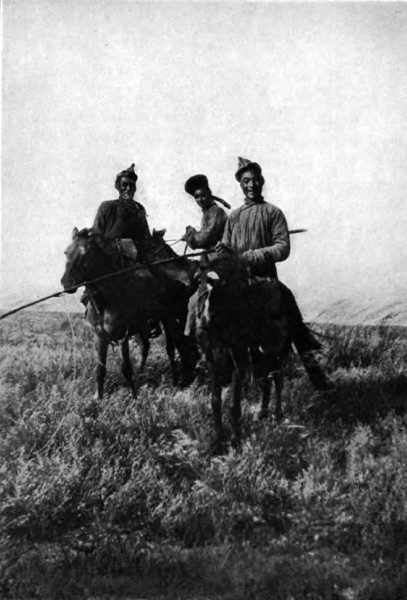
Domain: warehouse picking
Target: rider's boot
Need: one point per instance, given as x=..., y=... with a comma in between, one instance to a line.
x=305, y=343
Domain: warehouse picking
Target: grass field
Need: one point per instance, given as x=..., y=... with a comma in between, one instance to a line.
x=122, y=498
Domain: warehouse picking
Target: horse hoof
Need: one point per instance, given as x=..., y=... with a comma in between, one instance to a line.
x=217, y=448
x=219, y=443
x=236, y=442
x=263, y=414
x=279, y=416
x=183, y=384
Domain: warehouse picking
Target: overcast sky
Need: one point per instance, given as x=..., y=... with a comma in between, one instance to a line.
x=316, y=93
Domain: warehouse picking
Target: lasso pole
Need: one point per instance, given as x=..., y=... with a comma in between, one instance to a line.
x=12, y=312
x=102, y=278
x=109, y=275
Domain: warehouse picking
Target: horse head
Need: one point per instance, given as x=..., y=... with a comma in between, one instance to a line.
x=82, y=254
x=226, y=264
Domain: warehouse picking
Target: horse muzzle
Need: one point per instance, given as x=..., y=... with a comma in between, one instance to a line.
x=70, y=287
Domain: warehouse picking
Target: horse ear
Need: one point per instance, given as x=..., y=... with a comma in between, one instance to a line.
x=75, y=232
x=159, y=232
x=84, y=233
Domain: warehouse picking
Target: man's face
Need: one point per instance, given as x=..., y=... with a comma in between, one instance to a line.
x=203, y=197
x=127, y=188
x=251, y=183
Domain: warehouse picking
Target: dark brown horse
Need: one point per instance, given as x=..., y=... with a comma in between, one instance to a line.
x=242, y=327
x=123, y=306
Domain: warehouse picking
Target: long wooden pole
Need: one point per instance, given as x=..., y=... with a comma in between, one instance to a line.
x=11, y=312
x=102, y=278
x=128, y=270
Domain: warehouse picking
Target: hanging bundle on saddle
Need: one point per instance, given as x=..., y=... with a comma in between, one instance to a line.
x=127, y=251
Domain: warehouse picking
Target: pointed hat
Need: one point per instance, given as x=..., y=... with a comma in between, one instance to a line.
x=128, y=173
x=243, y=165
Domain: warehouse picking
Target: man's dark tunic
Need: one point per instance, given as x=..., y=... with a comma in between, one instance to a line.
x=124, y=220
x=121, y=219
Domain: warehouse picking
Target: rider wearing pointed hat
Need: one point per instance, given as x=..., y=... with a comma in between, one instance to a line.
x=259, y=232
x=257, y=229
x=213, y=217
x=124, y=217
x=244, y=164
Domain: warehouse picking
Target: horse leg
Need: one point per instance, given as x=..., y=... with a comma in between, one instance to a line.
x=216, y=402
x=189, y=356
x=241, y=364
x=170, y=347
x=265, y=385
x=101, y=346
x=145, y=347
x=127, y=370
x=187, y=349
x=278, y=382
x=236, y=408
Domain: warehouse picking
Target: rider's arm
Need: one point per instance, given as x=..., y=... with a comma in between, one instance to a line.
x=279, y=248
x=100, y=222
x=227, y=232
x=211, y=232
x=144, y=232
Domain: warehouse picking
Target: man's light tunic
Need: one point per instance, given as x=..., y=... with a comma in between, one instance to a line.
x=260, y=231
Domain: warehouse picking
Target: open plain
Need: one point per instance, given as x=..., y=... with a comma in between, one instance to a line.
x=122, y=498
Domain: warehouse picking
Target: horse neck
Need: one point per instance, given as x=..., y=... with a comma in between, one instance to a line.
x=153, y=251
x=107, y=261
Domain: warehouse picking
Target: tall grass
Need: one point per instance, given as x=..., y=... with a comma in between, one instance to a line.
x=123, y=497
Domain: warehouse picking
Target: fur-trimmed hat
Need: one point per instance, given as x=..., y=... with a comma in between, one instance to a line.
x=244, y=164
x=196, y=182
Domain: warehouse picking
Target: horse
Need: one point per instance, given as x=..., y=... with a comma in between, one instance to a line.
x=179, y=275
x=122, y=306
x=242, y=328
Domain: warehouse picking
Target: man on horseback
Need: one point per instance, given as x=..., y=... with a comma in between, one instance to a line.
x=212, y=225
x=258, y=231
x=125, y=221
x=213, y=217
x=124, y=217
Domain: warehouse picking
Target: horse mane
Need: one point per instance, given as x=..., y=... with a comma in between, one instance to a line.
x=155, y=247
x=227, y=265
x=106, y=245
